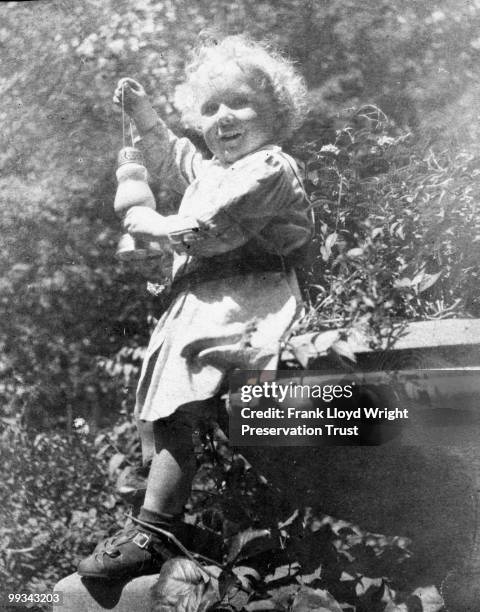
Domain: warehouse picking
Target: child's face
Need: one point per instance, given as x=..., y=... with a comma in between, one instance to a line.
x=236, y=116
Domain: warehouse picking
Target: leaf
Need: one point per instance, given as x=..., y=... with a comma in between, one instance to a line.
x=235, y=586
x=246, y=575
x=322, y=203
x=183, y=587
x=115, y=462
x=226, y=581
x=365, y=583
x=252, y=542
x=122, y=428
x=330, y=240
x=283, y=596
x=99, y=439
x=311, y=346
x=391, y=607
x=303, y=353
x=315, y=600
x=368, y=301
x=323, y=341
x=431, y=599
x=403, y=283
x=417, y=279
x=110, y=502
x=325, y=253
x=427, y=281
x=356, y=253
x=344, y=348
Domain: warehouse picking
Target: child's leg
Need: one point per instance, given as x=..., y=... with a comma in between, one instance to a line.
x=173, y=464
x=138, y=548
x=168, y=445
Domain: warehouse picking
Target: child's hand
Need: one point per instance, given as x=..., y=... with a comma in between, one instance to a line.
x=135, y=103
x=132, y=94
x=144, y=222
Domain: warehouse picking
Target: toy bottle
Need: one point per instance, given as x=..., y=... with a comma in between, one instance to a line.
x=133, y=190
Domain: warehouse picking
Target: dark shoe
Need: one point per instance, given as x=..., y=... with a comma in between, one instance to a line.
x=133, y=551
x=110, y=541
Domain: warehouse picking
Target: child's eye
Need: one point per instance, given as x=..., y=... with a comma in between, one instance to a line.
x=239, y=101
x=209, y=108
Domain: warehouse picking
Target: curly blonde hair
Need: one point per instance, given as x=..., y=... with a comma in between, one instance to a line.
x=272, y=72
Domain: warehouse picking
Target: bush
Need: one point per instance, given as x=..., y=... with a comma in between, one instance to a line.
x=58, y=501
x=398, y=228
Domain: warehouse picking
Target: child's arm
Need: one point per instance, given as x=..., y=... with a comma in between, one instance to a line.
x=174, y=161
x=262, y=200
x=144, y=222
x=265, y=190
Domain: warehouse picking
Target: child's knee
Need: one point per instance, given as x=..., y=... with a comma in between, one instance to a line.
x=176, y=433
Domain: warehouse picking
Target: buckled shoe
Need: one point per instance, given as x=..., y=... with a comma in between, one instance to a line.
x=132, y=551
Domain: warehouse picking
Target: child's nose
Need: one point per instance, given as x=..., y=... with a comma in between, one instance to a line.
x=224, y=114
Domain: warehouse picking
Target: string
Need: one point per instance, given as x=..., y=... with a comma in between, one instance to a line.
x=123, y=116
x=131, y=132
x=123, y=120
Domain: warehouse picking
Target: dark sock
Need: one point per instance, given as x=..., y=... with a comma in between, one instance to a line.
x=194, y=538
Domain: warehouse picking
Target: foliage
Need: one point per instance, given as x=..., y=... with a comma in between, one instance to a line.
x=60, y=501
x=304, y=562
x=57, y=504
x=398, y=228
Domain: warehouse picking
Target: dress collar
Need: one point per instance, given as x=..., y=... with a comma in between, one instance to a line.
x=269, y=147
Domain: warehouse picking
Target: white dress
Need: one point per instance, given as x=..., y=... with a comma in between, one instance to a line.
x=232, y=305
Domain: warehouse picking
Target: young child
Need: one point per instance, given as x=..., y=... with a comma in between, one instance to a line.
x=241, y=222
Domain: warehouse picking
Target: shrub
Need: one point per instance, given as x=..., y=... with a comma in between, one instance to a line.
x=58, y=501
x=398, y=228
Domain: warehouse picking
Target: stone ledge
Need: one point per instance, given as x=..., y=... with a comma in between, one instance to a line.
x=427, y=337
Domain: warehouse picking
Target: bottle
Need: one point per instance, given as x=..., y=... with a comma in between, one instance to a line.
x=133, y=190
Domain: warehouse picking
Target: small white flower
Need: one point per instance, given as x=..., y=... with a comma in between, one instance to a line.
x=385, y=140
x=155, y=288
x=330, y=148
x=81, y=426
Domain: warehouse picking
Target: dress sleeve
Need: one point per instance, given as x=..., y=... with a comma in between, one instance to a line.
x=261, y=198
x=173, y=161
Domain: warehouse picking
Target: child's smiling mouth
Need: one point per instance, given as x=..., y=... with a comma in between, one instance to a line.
x=229, y=137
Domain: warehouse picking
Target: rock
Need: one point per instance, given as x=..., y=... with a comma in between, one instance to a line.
x=87, y=595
